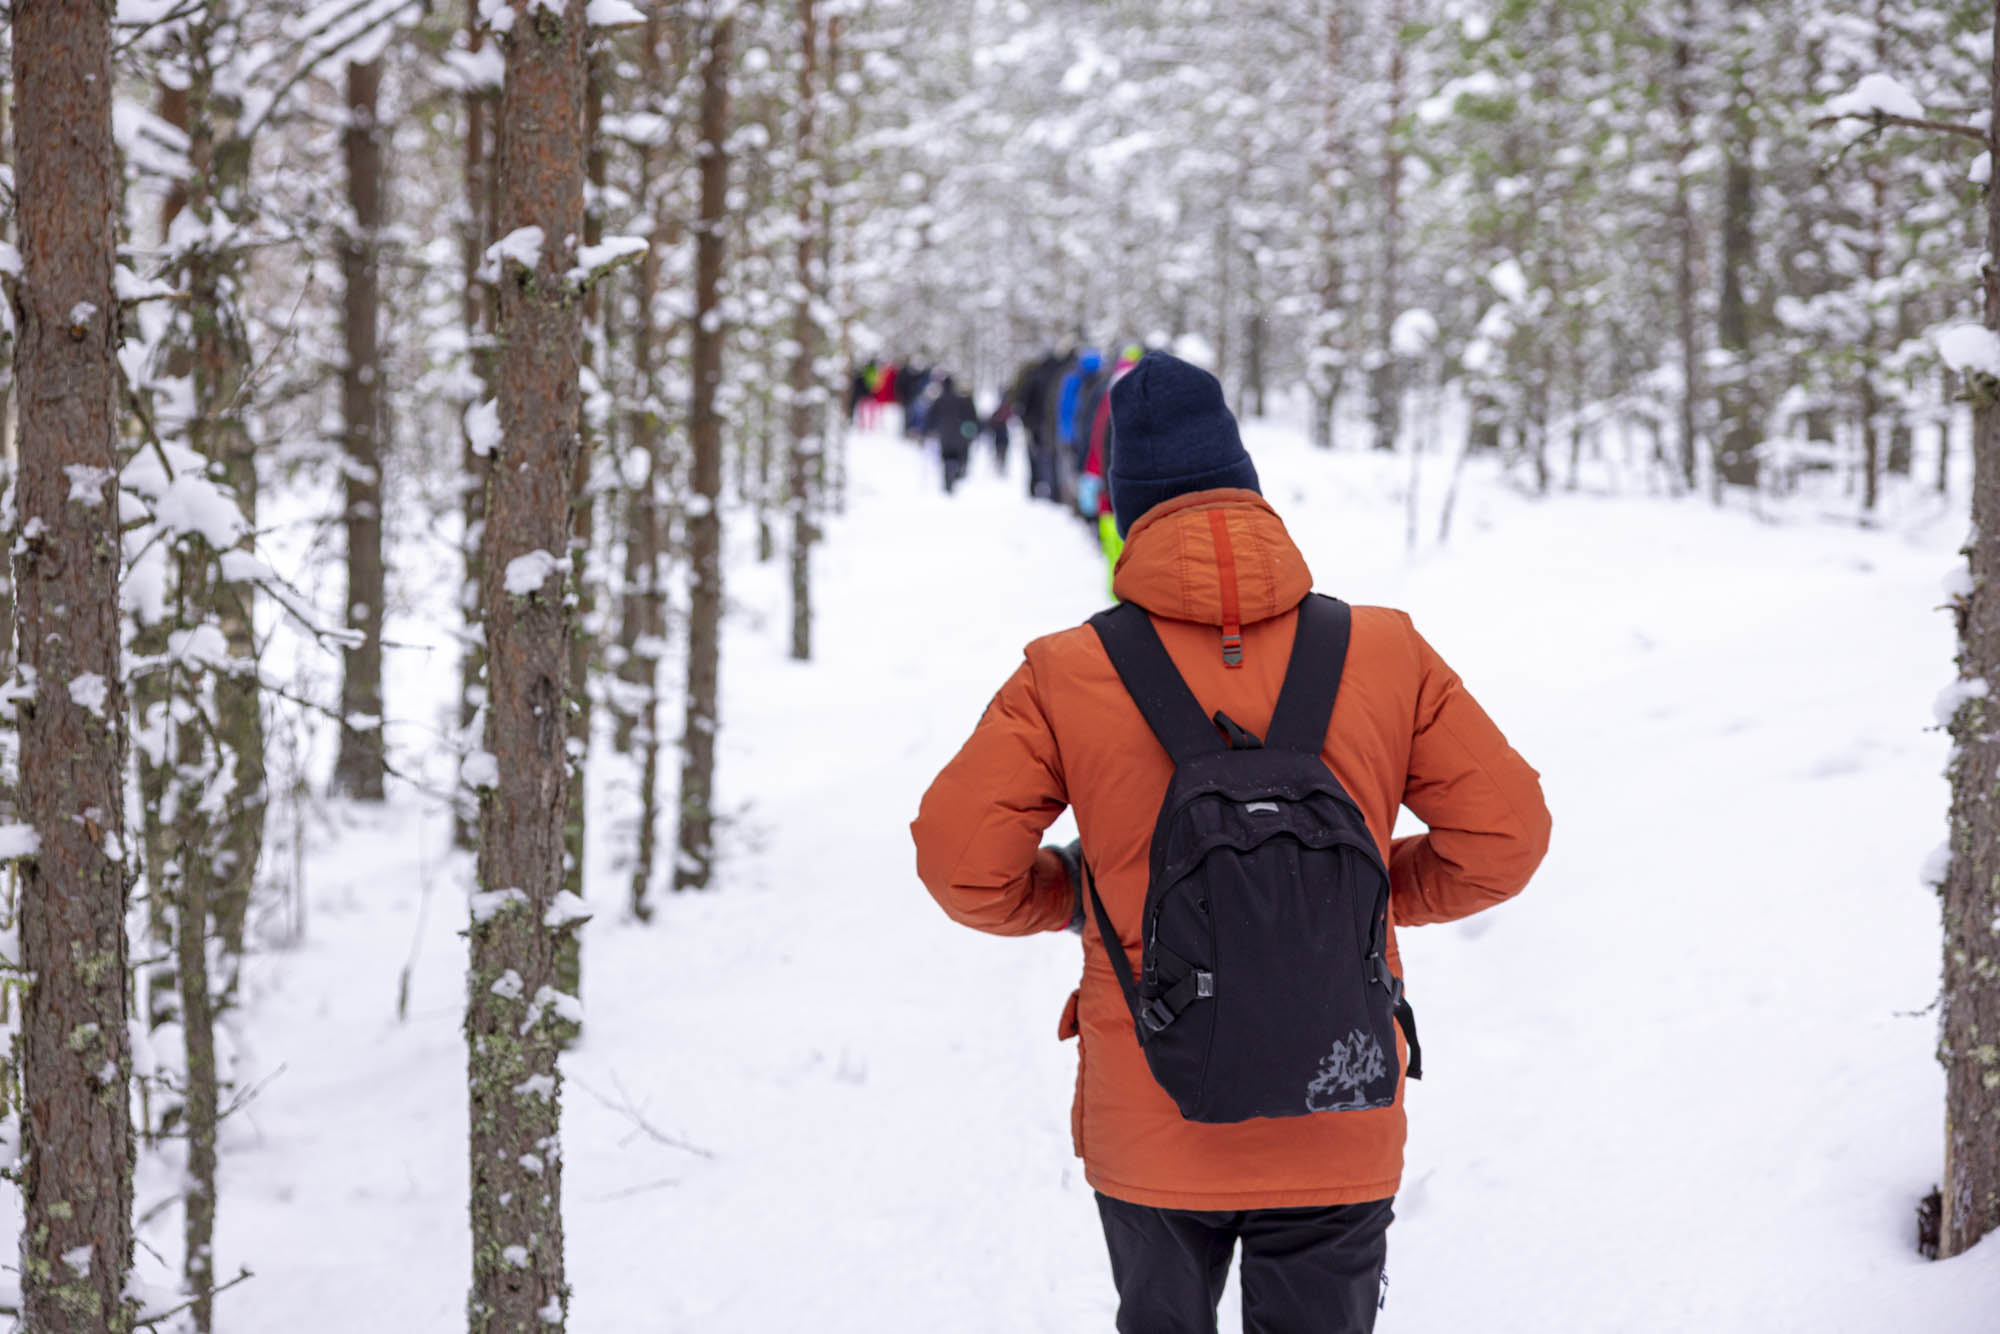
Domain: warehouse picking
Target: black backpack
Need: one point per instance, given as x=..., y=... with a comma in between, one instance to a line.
x=1264, y=989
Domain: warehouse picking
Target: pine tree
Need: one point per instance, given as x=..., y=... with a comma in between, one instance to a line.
x=76, y=1058
x=359, y=769
x=1969, y=1045
x=696, y=859
x=808, y=408
x=520, y=913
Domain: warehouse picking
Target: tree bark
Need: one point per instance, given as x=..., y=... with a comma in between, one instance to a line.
x=359, y=770
x=808, y=414
x=514, y=1003
x=1387, y=378
x=1969, y=1044
x=1741, y=406
x=1685, y=244
x=476, y=232
x=76, y=1248
x=704, y=524
x=1324, y=371
x=583, y=649
x=214, y=727
x=643, y=628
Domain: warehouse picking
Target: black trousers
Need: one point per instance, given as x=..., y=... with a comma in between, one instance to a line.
x=1305, y=1271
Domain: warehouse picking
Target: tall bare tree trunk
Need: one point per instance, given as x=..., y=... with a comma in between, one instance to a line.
x=1388, y=378
x=476, y=232
x=1969, y=1045
x=1685, y=244
x=76, y=1247
x=1324, y=372
x=642, y=633
x=1740, y=404
x=696, y=858
x=520, y=914
x=218, y=747
x=808, y=418
x=833, y=452
x=583, y=654
x=359, y=768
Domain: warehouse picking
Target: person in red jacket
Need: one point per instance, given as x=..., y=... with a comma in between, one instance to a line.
x=1308, y=1198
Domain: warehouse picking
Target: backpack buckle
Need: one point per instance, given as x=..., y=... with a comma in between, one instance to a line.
x=1154, y=1016
x=1204, y=985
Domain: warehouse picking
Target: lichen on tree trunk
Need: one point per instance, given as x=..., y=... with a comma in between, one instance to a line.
x=515, y=1002
x=76, y=1248
x=1969, y=1041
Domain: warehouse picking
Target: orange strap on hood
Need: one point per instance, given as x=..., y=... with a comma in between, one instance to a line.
x=1232, y=615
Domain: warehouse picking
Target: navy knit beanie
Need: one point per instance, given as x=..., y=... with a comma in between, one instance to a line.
x=1171, y=435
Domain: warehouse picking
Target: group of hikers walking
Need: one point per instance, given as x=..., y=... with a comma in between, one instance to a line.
x=934, y=405
x=1236, y=748
x=1060, y=400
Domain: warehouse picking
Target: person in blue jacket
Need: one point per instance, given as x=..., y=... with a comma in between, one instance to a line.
x=1067, y=427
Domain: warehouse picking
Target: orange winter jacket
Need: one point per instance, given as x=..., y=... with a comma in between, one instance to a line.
x=1064, y=732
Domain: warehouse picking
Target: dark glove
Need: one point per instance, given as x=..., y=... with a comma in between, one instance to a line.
x=1071, y=856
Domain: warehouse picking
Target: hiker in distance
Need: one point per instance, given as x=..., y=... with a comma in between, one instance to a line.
x=1235, y=748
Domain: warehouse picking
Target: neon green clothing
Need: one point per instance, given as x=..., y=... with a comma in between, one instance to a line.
x=1114, y=545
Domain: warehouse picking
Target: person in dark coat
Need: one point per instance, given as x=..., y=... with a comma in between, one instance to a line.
x=953, y=421
x=1034, y=396
x=999, y=428
x=913, y=388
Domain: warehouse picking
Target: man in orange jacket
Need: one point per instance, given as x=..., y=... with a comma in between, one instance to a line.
x=1308, y=1197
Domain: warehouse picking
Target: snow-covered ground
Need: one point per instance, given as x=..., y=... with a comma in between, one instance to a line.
x=1685, y=1082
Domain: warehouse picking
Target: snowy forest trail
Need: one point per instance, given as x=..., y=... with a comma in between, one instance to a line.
x=1677, y=1085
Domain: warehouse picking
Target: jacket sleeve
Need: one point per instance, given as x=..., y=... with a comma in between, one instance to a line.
x=978, y=831
x=1489, y=826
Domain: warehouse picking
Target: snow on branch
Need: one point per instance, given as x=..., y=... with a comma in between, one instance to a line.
x=1969, y=348
x=1876, y=95
x=613, y=14
x=1886, y=103
x=521, y=246
x=594, y=261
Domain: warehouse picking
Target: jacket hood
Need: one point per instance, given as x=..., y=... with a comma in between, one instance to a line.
x=1212, y=557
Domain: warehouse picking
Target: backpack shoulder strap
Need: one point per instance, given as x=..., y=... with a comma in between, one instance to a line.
x=1154, y=683
x=1312, y=679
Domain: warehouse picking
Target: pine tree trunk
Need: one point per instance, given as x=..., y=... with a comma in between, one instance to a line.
x=1254, y=336
x=582, y=549
x=696, y=858
x=807, y=415
x=642, y=624
x=218, y=181
x=1324, y=372
x=1741, y=409
x=160, y=1105
x=1685, y=243
x=76, y=1247
x=216, y=734
x=514, y=1002
x=1388, y=379
x=476, y=232
x=1969, y=1045
x=359, y=769
x=832, y=481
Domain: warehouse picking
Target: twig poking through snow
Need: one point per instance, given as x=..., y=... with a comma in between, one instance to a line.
x=630, y=1112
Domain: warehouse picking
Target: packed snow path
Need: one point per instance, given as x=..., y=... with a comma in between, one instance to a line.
x=1683, y=1083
